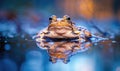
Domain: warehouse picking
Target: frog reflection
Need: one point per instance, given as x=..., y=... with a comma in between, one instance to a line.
x=63, y=50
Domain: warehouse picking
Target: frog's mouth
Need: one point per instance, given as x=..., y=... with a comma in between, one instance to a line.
x=60, y=32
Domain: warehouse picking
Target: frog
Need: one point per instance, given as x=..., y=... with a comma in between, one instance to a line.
x=62, y=28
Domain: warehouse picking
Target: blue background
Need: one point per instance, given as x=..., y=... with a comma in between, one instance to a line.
x=21, y=20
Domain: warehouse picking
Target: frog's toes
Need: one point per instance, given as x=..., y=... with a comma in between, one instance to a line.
x=66, y=61
x=53, y=60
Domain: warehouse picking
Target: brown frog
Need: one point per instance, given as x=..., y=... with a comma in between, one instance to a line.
x=62, y=28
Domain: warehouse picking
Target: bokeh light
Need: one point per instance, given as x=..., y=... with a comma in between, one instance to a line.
x=20, y=20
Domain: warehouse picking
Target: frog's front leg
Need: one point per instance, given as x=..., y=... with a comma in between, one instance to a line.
x=81, y=37
x=39, y=38
x=84, y=34
x=40, y=35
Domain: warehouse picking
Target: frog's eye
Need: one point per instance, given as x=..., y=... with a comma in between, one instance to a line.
x=54, y=17
x=50, y=18
x=66, y=17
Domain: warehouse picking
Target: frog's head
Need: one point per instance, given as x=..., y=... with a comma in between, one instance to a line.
x=60, y=25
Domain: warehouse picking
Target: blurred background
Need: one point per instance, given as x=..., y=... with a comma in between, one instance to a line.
x=22, y=19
